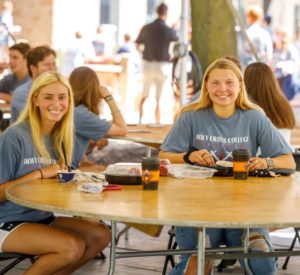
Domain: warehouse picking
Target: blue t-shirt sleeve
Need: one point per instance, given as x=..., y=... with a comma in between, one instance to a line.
x=268, y=138
x=10, y=149
x=89, y=125
x=179, y=137
x=4, y=84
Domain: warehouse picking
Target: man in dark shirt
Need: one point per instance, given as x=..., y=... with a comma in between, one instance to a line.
x=19, y=72
x=156, y=38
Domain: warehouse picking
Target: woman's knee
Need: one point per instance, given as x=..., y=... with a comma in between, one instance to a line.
x=101, y=235
x=71, y=248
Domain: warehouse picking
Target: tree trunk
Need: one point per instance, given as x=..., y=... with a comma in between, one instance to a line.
x=213, y=34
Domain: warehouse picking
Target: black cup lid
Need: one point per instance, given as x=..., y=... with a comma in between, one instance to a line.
x=150, y=161
x=241, y=152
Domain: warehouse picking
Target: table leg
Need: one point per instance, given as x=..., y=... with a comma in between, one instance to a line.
x=112, y=260
x=246, y=250
x=201, y=250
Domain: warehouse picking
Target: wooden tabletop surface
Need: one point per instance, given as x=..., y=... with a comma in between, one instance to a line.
x=148, y=134
x=213, y=202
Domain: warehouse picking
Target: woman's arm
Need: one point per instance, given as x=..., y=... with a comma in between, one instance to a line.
x=201, y=157
x=118, y=127
x=283, y=161
x=173, y=157
x=43, y=173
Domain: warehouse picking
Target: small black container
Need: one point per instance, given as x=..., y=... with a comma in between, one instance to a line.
x=240, y=161
x=150, y=173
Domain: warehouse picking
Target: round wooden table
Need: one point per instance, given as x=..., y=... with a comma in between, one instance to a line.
x=217, y=202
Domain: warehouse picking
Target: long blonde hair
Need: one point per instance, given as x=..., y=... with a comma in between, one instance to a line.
x=62, y=134
x=204, y=101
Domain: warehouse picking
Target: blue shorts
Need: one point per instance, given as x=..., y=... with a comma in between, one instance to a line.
x=8, y=227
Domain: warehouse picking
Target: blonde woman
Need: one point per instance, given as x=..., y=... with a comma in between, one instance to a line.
x=32, y=148
x=209, y=130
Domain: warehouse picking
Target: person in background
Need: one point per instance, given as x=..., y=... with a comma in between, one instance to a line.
x=286, y=63
x=259, y=37
x=39, y=60
x=6, y=24
x=262, y=87
x=88, y=95
x=210, y=129
x=129, y=50
x=267, y=24
x=19, y=73
x=33, y=148
x=79, y=52
x=103, y=42
x=128, y=46
x=156, y=38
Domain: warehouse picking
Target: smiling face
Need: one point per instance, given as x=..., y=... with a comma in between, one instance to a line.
x=53, y=103
x=223, y=88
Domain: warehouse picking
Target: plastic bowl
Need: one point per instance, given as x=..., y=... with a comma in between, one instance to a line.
x=190, y=171
x=65, y=176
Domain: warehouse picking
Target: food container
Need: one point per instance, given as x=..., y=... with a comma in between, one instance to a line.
x=225, y=168
x=190, y=171
x=124, y=173
x=65, y=175
x=164, y=163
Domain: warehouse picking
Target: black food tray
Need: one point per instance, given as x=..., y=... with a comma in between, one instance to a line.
x=123, y=180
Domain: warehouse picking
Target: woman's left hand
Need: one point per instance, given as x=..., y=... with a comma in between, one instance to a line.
x=257, y=163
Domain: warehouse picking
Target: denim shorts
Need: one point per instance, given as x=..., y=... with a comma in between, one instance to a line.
x=8, y=227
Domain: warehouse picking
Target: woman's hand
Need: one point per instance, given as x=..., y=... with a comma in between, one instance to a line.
x=202, y=157
x=257, y=163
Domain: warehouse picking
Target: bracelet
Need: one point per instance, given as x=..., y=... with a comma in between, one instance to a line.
x=42, y=176
x=115, y=112
x=270, y=163
x=187, y=155
x=108, y=98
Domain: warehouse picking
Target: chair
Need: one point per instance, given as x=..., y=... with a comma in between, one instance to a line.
x=18, y=257
x=296, y=156
x=297, y=237
x=171, y=245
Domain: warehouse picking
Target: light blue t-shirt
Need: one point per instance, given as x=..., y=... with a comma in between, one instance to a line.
x=18, y=157
x=88, y=126
x=10, y=82
x=203, y=129
x=19, y=99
